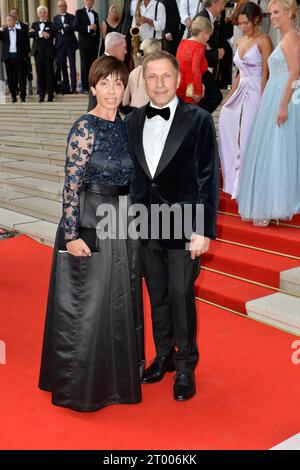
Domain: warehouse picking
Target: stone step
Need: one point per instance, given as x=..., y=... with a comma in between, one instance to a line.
x=35, y=206
x=7, y=196
x=279, y=310
x=19, y=121
x=57, y=145
x=35, y=187
x=41, y=171
x=34, y=155
x=290, y=281
x=40, y=230
x=35, y=131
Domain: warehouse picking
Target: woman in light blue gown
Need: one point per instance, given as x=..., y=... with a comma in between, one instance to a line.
x=270, y=179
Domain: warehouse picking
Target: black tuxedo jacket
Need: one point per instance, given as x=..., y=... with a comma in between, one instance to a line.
x=22, y=44
x=214, y=42
x=82, y=21
x=173, y=22
x=65, y=36
x=42, y=45
x=188, y=170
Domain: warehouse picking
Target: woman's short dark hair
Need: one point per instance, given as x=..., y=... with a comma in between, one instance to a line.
x=251, y=11
x=105, y=66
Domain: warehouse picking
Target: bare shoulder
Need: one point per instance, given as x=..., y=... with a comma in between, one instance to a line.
x=291, y=39
x=264, y=41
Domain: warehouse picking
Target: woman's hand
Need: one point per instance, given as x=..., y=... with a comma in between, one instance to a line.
x=282, y=115
x=78, y=248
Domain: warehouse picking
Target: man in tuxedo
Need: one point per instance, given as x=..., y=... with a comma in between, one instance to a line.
x=174, y=29
x=24, y=27
x=43, y=50
x=175, y=160
x=66, y=45
x=87, y=24
x=115, y=45
x=214, y=54
x=14, y=55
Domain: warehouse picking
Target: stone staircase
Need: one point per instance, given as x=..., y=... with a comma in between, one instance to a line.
x=32, y=157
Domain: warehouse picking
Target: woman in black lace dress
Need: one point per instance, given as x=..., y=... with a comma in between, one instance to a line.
x=93, y=341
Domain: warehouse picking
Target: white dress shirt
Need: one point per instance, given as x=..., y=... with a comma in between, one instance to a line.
x=189, y=9
x=42, y=27
x=156, y=31
x=91, y=17
x=212, y=20
x=155, y=134
x=13, y=40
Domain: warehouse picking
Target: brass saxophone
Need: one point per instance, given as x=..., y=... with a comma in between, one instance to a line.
x=135, y=31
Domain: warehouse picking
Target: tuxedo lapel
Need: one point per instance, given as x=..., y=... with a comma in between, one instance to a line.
x=179, y=128
x=138, y=121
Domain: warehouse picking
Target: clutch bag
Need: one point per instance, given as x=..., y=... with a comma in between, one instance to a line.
x=189, y=90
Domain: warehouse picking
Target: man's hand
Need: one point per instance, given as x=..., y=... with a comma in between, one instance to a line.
x=78, y=248
x=168, y=37
x=188, y=22
x=46, y=35
x=93, y=27
x=198, y=245
x=221, y=53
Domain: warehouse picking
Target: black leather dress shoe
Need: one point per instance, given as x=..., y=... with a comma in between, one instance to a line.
x=184, y=387
x=158, y=368
x=41, y=100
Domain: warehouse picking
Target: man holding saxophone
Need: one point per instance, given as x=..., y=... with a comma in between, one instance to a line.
x=150, y=17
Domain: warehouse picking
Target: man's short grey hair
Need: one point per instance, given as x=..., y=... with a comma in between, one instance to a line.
x=42, y=7
x=209, y=3
x=113, y=39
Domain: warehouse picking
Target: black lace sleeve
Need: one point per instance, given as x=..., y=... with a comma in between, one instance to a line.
x=79, y=150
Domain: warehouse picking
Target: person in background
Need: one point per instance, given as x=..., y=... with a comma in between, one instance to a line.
x=15, y=55
x=66, y=45
x=188, y=10
x=192, y=61
x=24, y=27
x=243, y=100
x=88, y=27
x=214, y=54
x=44, y=52
x=270, y=176
x=135, y=93
x=174, y=29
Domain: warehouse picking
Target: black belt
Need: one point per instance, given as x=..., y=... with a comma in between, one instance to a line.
x=106, y=189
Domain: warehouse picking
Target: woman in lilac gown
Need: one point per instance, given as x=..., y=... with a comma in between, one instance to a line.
x=239, y=110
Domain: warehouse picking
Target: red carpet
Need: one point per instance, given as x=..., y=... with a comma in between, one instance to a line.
x=247, y=263
x=248, y=389
x=280, y=239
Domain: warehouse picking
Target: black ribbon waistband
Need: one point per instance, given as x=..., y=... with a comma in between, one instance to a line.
x=106, y=189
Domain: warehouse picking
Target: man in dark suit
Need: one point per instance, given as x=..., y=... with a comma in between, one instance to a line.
x=87, y=24
x=174, y=29
x=43, y=50
x=66, y=45
x=24, y=27
x=175, y=163
x=14, y=55
x=212, y=95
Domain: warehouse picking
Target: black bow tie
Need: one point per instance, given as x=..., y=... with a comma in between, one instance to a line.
x=12, y=29
x=89, y=9
x=163, y=112
x=42, y=22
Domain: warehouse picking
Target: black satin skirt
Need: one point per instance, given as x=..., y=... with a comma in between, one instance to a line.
x=93, y=347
